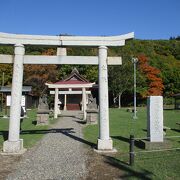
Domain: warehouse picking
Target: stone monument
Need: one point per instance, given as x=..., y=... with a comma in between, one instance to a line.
x=154, y=125
x=43, y=111
x=155, y=118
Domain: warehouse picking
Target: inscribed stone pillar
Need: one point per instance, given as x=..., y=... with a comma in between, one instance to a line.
x=56, y=103
x=84, y=103
x=14, y=144
x=104, y=141
x=155, y=118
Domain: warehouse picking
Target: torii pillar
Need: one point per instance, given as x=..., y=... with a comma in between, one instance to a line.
x=56, y=100
x=104, y=141
x=14, y=144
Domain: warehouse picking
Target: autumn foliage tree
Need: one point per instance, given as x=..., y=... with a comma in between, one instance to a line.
x=38, y=75
x=153, y=79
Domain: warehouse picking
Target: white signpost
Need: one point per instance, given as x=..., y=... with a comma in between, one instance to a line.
x=23, y=101
x=14, y=144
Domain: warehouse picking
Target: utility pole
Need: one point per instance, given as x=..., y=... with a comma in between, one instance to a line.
x=2, y=92
x=134, y=61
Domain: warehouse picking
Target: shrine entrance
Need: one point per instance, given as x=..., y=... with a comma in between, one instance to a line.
x=14, y=144
x=70, y=94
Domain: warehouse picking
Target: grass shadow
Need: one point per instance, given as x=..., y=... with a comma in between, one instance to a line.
x=176, y=130
x=4, y=135
x=168, y=109
x=81, y=122
x=130, y=171
x=34, y=122
x=137, y=143
x=121, y=138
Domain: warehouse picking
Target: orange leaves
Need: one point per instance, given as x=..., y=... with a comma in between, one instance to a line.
x=153, y=77
x=49, y=52
x=155, y=83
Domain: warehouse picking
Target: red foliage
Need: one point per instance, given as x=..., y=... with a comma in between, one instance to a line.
x=155, y=83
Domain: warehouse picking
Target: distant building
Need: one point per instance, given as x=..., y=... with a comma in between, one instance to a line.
x=27, y=99
x=71, y=98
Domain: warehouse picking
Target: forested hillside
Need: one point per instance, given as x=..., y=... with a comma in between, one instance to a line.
x=161, y=64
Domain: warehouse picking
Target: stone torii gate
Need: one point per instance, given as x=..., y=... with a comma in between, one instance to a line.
x=14, y=144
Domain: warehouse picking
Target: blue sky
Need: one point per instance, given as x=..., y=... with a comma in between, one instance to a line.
x=149, y=19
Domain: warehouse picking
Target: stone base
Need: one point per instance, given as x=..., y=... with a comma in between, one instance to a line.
x=105, y=145
x=13, y=154
x=42, y=119
x=145, y=144
x=13, y=147
x=106, y=151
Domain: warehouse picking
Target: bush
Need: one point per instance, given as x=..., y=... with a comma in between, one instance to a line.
x=168, y=101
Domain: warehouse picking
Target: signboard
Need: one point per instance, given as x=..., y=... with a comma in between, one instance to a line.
x=8, y=101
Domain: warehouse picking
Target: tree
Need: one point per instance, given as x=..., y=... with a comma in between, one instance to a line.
x=120, y=79
x=38, y=75
x=7, y=70
x=88, y=71
x=153, y=79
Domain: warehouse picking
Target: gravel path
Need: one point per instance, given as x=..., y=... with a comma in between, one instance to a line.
x=59, y=155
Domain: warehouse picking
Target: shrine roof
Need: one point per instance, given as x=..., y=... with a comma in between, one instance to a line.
x=72, y=82
x=73, y=78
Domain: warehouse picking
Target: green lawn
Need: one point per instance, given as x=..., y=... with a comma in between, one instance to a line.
x=156, y=165
x=30, y=132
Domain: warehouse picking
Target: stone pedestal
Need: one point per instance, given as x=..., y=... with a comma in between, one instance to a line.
x=42, y=118
x=43, y=111
x=145, y=144
x=92, y=116
x=155, y=118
